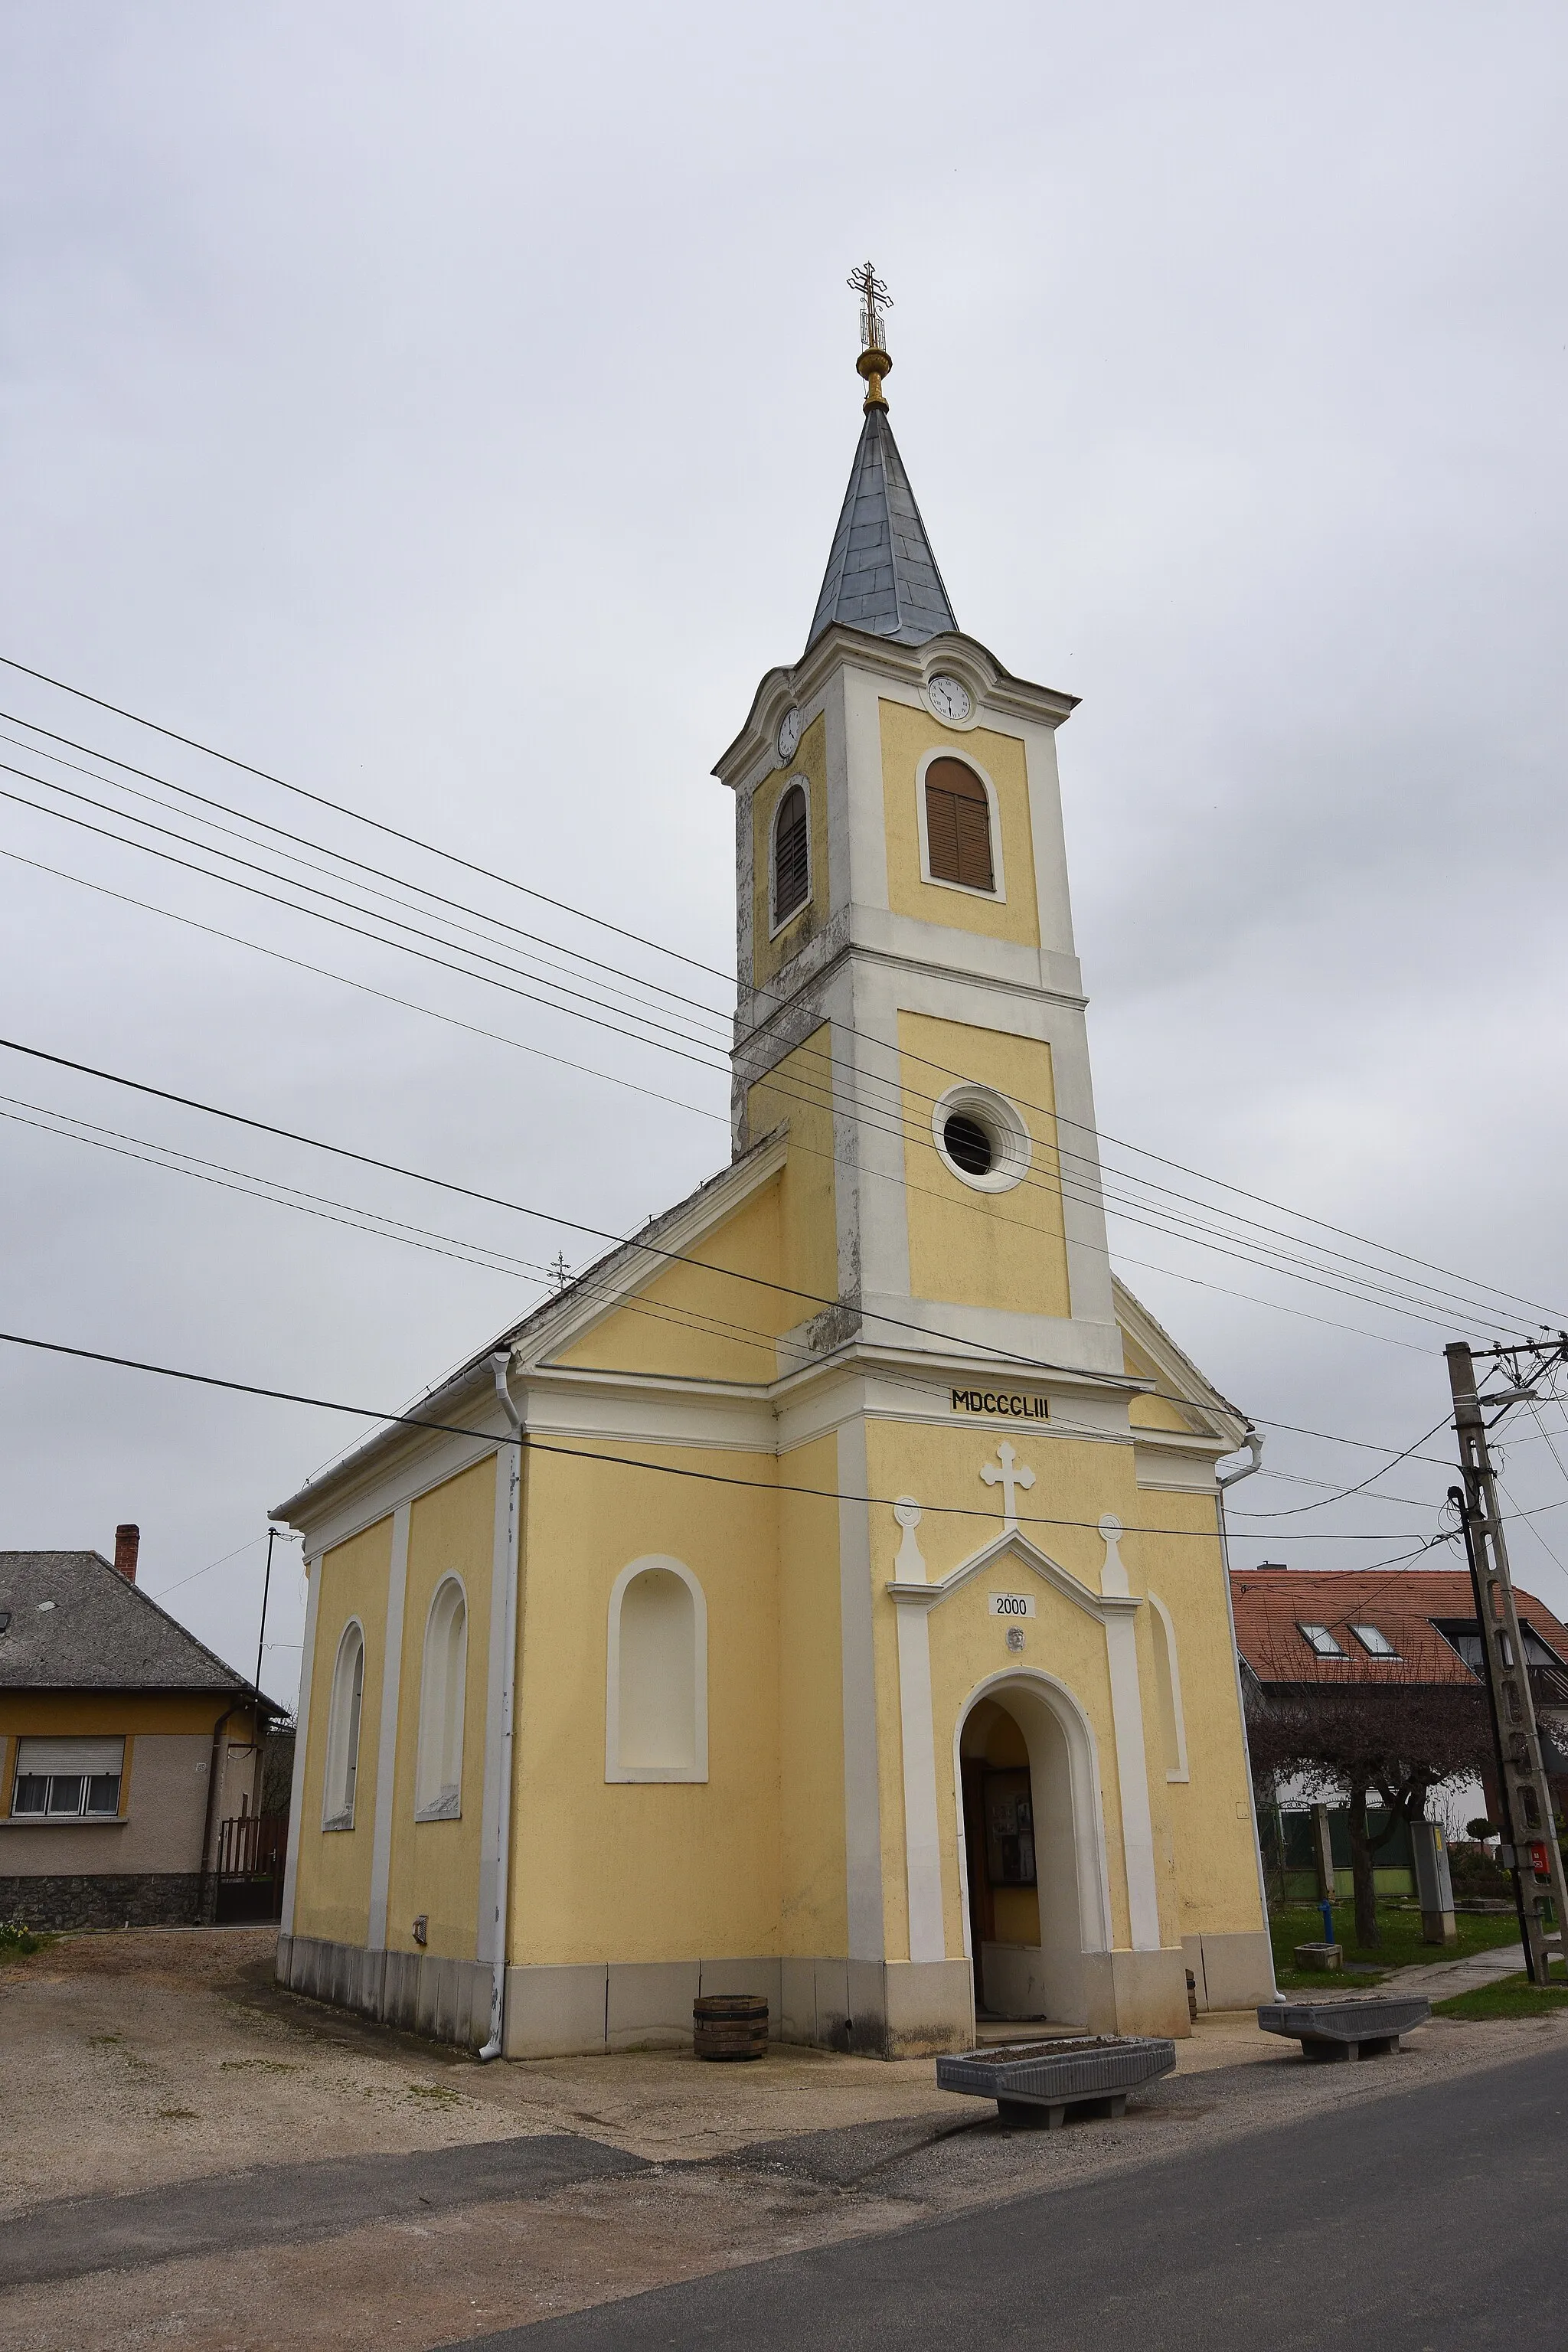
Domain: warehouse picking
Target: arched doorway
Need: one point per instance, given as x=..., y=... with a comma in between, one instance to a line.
x=1033, y=1891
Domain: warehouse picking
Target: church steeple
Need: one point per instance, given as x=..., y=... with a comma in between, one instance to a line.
x=881, y=575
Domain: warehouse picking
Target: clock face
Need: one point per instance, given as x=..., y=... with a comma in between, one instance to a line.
x=949, y=699
x=789, y=734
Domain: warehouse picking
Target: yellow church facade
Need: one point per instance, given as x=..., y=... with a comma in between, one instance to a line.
x=822, y=1596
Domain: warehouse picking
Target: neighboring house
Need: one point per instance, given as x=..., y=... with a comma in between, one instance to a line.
x=123, y=1744
x=1326, y=1628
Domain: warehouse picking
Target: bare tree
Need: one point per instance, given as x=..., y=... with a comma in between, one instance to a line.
x=1397, y=1738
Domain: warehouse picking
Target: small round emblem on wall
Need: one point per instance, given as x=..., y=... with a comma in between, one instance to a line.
x=949, y=698
x=789, y=734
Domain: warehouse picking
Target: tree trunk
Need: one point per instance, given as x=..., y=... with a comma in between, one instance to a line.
x=1366, y=1931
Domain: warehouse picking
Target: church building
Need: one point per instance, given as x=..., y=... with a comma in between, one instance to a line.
x=824, y=1595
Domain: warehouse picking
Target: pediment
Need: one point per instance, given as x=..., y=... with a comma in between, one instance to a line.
x=1013, y=1545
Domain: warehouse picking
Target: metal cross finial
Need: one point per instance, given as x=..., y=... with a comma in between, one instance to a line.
x=873, y=362
x=1012, y=1475
x=874, y=299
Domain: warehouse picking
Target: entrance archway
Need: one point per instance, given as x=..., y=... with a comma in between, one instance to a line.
x=1034, y=1868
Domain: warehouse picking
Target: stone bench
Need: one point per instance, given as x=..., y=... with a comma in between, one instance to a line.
x=1034, y=2083
x=1359, y=2025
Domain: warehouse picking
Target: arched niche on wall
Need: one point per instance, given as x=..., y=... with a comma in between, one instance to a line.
x=439, y=1774
x=342, y=1730
x=1168, y=1690
x=655, y=1694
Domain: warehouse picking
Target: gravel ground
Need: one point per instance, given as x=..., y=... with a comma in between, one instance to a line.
x=799, y=2150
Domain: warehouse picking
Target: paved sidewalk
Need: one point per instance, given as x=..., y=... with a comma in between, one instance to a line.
x=1440, y=1980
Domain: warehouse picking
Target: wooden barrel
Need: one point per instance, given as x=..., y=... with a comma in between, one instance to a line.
x=730, y=2025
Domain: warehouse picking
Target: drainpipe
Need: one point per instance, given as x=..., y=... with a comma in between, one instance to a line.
x=238, y=1707
x=510, y=1450
x=1254, y=1443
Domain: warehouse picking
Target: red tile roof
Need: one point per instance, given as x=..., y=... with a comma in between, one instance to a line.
x=1272, y=1604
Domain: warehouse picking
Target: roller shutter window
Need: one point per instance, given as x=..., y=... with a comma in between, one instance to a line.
x=69, y=1779
x=792, y=857
x=958, y=827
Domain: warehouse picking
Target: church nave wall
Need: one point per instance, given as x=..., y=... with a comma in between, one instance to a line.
x=333, y=1868
x=643, y=1872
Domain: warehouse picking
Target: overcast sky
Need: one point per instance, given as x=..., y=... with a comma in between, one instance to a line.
x=448, y=410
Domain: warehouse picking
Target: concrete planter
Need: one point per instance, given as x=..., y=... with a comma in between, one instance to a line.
x=1363, y=2025
x=1034, y=2083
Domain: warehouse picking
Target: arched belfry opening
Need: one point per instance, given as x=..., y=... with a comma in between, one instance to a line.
x=1031, y=1855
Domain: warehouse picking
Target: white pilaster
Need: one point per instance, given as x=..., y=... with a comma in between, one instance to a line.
x=862, y=1797
x=922, y=1845
x=1131, y=1761
x=490, y=1928
x=386, y=1746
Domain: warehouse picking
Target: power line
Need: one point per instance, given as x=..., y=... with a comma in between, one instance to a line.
x=1062, y=1189
x=562, y=1061
x=1345, y=1493
x=582, y=914
x=543, y=1216
x=580, y=1453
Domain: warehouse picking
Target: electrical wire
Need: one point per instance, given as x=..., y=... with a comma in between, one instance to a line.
x=658, y=947
x=1097, y=1198
x=581, y=1454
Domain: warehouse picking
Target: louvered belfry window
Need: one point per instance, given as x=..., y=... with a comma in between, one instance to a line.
x=792, y=862
x=958, y=826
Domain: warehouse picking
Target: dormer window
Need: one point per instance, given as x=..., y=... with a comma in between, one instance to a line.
x=1320, y=1639
x=958, y=827
x=792, y=855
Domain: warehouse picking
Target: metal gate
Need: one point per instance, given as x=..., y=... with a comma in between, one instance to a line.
x=250, y=1855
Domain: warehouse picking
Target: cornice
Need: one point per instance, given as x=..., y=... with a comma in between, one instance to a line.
x=962, y=656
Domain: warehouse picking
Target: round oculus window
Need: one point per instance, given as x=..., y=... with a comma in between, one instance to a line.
x=981, y=1139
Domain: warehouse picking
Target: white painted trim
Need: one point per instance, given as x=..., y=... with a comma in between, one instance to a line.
x=923, y=1843
x=344, y=1818
x=615, y=1770
x=777, y=923
x=1013, y=1147
x=862, y=1785
x=1107, y=1608
x=1083, y=1788
x=302, y=1743
x=438, y=1813
x=1132, y=1779
x=386, y=1744
x=1173, y=1661
x=997, y=895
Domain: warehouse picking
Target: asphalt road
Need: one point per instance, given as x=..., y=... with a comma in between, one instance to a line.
x=1426, y=2222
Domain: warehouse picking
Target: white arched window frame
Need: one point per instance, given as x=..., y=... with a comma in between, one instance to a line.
x=630, y=1660
x=438, y=1772
x=343, y=1713
x=997, y=895
x=777, y=923
x=1168, y=1685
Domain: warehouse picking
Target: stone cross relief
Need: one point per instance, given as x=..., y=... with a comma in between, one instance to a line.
x=1010, y=1478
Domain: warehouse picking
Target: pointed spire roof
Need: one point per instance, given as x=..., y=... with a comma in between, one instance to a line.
x=881, y=574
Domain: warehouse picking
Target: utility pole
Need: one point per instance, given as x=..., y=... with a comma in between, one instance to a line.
x=1530, y=1835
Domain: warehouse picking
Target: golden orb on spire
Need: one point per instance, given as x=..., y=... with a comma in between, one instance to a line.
x=873, y=362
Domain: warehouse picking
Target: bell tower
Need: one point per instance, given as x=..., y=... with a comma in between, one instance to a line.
x=910, y=1002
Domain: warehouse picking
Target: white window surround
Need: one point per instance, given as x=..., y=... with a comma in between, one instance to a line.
x=776, y=925
x=444, y=1673
x=1178, y=1771
x=997, y=895
x=340, y=1780
x=697, y=1768
x=1010, y=1139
